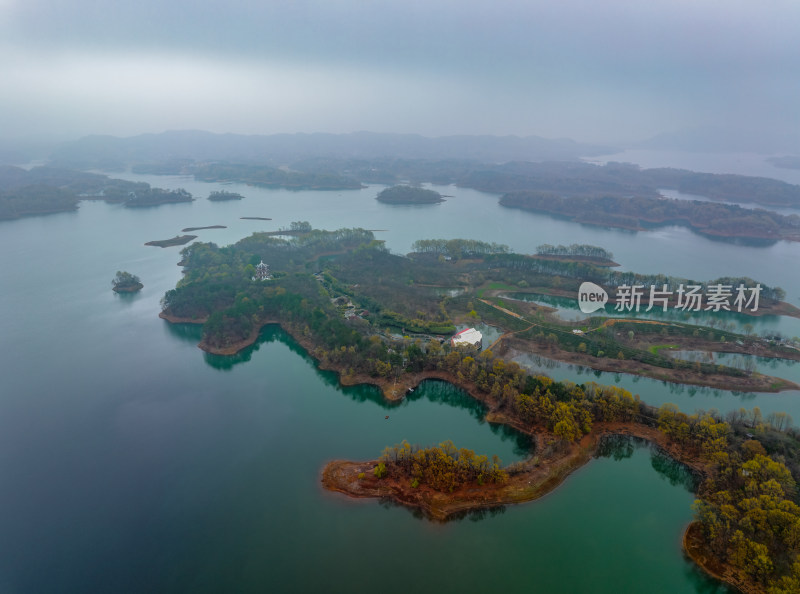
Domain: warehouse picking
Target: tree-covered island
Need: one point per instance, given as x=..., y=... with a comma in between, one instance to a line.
x=125, y=282
x=409, y=195
x=381, y=318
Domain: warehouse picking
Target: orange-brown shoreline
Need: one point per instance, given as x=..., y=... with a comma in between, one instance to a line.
x=531, y=484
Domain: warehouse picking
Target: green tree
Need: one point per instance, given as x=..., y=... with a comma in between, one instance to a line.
x=125, y=280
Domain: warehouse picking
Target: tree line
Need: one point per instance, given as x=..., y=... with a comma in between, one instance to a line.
x=457, y=248
x=575, y=249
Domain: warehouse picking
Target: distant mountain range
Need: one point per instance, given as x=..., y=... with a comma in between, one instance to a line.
x=109, y=152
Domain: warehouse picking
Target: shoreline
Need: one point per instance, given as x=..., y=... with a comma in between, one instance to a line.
x=395, y=389
x=757, y=382
x=645, y=224
x=695, y=550
x=528, y=485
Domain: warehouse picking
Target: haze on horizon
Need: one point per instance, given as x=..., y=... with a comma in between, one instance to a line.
x=606, y=72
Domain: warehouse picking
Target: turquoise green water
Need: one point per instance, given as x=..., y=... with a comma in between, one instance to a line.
x=130, y=461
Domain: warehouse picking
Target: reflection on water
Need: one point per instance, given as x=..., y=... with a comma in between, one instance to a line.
x=442, y=392
x=784, y=368
x=620, y=447
x=617, y=447
x=657, y=392
x=432, y=390
x=185, y=332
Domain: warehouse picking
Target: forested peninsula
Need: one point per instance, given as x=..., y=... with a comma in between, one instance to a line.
x=380, y=318
x=638, y=213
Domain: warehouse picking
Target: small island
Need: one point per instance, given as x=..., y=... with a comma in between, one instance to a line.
x=409, y=195
x=190, y=229
x=125, y=282
x=156, y=197
x=177, y=240
x=255, y=218
x=223, y=195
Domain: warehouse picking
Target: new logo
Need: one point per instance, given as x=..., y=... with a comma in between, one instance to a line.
x=591, y=297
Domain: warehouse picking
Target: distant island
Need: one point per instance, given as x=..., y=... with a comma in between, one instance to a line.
x=409, y=195
x=190, y=229
x=223, y=195
x=125, y=282
x=643, y=213
x=156, y=196
x=255, y=218
x=177, y=240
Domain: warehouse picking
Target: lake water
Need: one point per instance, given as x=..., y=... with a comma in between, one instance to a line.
x=130, y=461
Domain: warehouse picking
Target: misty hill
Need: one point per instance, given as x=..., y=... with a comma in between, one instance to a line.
x=278, y=149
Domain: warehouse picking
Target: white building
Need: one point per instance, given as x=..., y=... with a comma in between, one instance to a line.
x=468, y=337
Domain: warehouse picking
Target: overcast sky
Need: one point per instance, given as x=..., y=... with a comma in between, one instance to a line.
x=592, y=70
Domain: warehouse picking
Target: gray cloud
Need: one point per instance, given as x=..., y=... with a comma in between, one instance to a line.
x=600, y=71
